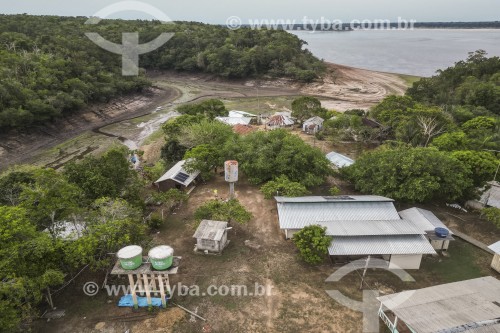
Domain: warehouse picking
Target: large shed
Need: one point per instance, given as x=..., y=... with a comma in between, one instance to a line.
x=360, y=226
x=211, y=236
x=495, y=263
x=177, y=177
x=241, y=114
x=231, y=121
x=428, y=222
x=470, y=306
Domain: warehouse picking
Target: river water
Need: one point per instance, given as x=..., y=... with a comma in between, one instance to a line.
x=416, y=52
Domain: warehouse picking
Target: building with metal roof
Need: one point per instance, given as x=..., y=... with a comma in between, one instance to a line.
x=426, y=220
x=231, y=121
x=339, y=160
x=279, y=121
x=313, y=125
x=176, y=177
x=495, y=263
x=359, y=226
x=491, y=197
x=471, y=306
x=241, y=114
x=211, y=236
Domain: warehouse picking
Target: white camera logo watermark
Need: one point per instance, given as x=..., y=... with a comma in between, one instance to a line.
x=321, y=24
x=130, y=49
x=257, y=290
x=370, y=305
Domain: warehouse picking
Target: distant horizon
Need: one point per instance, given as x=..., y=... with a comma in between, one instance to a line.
x=223, y=23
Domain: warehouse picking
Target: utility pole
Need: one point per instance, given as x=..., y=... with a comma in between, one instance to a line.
x=364, y=272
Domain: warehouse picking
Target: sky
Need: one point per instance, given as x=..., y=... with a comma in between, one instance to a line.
x=219, y=11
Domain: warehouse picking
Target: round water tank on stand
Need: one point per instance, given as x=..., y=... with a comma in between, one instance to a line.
x=161, y=257
x=442, y=232
x=130, y=257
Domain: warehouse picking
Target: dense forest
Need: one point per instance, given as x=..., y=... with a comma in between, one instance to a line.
x=441, y=141
x=48, y=67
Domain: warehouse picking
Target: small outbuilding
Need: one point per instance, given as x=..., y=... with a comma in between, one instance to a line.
x=211, y=236
x=491, y=198
x=436, y=231
x=313, y=125
x=279, y=121
x=495, y=263
x=339, y=160
x=177, y=177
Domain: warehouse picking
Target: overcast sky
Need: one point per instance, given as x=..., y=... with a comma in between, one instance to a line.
x=218, y=11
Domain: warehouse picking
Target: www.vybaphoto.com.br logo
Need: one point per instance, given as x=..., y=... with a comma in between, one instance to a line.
x=130, y=49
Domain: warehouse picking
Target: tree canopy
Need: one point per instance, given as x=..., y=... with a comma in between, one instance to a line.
x=312, y=243
x=410, y=174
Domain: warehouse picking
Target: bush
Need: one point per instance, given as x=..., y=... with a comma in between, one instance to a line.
x=334, y=190
x=492, y=214
x=283, y=186
x=312, y=243
x=220, y=210
x=155, y=221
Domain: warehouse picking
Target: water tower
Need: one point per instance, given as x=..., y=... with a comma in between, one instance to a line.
x=231, y=175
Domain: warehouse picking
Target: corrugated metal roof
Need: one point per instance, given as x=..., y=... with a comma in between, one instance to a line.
x=280, y=120
x=380, y=245
x=296, y=215
x=234, y=120
x=240, y=114
x=337, y=198
x=492, y=196
x=175, y=170
x=211, y=230
x=447, y=306
x=314, y=121
x=495, y=247
x=370, y=228
x=424, y=219
x=339, y=160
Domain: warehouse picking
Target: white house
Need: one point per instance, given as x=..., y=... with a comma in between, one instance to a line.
x=360, y=226
x=313, y=125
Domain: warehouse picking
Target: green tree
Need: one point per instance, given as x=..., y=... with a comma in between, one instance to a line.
x=267, y=155
x=481, y=165
x=282, y=186
x=492, y=214
x=451, y=141
x=219, y=210
x=312, y=243
x=49, y=199
x=306, y=107
x=410, y=174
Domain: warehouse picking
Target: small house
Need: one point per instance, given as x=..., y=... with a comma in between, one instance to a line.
x=211, y=236
x=279, y=121
x=313, y=125
x=434, y=229
x=495, y=263
x=177, y=177
x=339, y=160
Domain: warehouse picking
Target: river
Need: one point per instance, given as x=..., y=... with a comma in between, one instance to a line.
x=417, y=52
